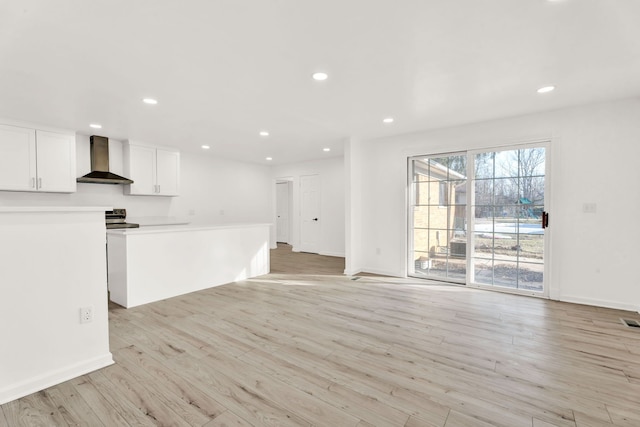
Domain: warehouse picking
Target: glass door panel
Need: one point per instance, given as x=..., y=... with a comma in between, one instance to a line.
x=508, y=239
x=438, y=217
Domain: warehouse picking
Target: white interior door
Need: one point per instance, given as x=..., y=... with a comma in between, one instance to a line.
x=282, y=212
x=309, y=213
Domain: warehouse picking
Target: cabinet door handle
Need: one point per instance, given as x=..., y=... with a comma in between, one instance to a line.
x=39, y=182
x=33, y=183
x=158, y=188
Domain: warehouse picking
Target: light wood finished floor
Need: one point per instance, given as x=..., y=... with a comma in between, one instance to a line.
x=322, y=349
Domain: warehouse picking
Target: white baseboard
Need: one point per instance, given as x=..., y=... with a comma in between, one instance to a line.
x=336, y=254
x=32, y=385
x=371, y=271
x=599, y=303
x=381, y=272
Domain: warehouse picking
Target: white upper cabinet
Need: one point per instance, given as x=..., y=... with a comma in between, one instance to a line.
x=17, y=158
x=155, y=171
x=56, y=162
x=36, y=160
x=168, y=172
x=140, y=166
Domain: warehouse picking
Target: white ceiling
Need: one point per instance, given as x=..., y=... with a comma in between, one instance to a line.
x=223, y=70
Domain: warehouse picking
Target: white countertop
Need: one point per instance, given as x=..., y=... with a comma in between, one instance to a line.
x=146, y=221
x=16, y=209
x=181, y=228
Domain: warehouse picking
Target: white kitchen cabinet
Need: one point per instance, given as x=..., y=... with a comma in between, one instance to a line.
x=155, y=171
x=150, y=264
x=37, y=160
x=56, y=162
x=168, y=172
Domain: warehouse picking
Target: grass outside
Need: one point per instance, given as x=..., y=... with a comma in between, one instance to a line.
x=528, y=246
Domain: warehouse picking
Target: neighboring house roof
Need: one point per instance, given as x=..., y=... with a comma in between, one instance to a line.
x=438, y=170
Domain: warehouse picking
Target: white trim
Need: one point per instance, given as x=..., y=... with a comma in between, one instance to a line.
x=323, y=253
x=37, y=126
x=135, y=142
x=334, y=254
x=599, y=303
x=409, y=202
x=42, y=382
x=383, y=272
x=507, y=290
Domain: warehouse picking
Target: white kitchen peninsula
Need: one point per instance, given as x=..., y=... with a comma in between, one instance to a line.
x=148, y=264
x=52, y=265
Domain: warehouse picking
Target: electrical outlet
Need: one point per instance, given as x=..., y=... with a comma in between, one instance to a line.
x=86, y=314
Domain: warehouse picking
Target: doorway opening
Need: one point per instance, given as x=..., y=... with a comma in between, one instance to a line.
x=284, y=209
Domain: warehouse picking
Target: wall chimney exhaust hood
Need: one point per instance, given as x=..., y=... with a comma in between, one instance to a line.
x=100, y=164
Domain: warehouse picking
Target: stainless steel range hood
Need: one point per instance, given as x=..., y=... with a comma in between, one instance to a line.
x=100, y=164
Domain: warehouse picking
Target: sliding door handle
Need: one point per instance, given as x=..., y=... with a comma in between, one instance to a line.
x=545, y=219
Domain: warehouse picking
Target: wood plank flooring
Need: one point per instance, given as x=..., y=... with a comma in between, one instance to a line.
x=306, y=346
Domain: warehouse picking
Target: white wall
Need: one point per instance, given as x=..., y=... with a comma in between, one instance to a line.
x=215, y=190
x=594, y=159
x=53, y=263
x=355, y=163
x=332, y=202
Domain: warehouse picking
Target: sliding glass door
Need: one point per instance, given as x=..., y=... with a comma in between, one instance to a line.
x=485, y=231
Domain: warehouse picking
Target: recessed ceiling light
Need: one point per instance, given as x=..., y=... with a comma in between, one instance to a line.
x=326, y=149
x=150, y=101
x=546, y=89
x=388, y=120
x=269, y=158
x=206, y=147
x=264, y=133
x=320, y=76
x=95, y=126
